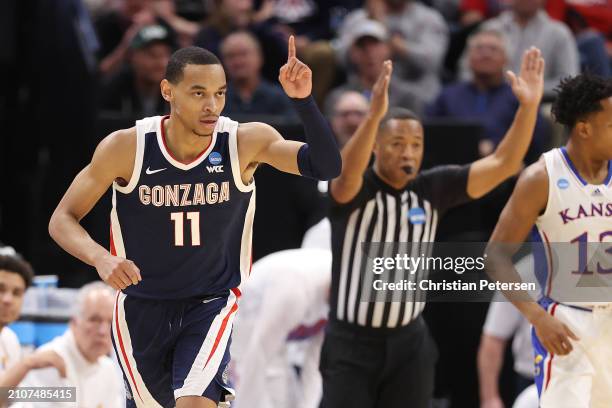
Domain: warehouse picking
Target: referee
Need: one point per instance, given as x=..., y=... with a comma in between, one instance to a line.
x=380, y=354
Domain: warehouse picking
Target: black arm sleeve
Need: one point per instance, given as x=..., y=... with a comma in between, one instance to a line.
x=319, y=158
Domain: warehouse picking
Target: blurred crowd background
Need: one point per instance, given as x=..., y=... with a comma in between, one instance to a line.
x=75, y=70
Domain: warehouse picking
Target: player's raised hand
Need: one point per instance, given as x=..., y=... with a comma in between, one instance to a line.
x=553, y=334
x=528, y=86
x=118, y=272
x=295, y=76
x=380, y=92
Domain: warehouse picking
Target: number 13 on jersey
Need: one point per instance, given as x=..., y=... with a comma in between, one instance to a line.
x=179, y=234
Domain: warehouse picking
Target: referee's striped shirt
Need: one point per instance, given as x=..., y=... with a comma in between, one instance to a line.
x=379, y=213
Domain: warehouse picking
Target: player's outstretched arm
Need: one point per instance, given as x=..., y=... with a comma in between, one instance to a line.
x=527, y=202
x=357, y=152
x=319, y=157
x=113, y=158
x=488, y=172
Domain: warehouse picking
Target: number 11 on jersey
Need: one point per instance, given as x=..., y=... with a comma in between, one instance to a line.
x=194, y=218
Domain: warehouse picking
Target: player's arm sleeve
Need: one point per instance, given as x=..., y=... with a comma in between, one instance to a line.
x=319, y=157
x=446, y=186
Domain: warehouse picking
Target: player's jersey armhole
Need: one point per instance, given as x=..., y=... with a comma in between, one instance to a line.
x=138, y=158
x=549, y=163
x=233, y=150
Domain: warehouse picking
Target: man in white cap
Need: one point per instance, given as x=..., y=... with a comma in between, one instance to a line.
x=367, y=47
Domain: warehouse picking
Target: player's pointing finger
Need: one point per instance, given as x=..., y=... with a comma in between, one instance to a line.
x=291, y=52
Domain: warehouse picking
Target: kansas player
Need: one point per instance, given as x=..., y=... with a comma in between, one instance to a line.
x=181, y=224
x=567, y=196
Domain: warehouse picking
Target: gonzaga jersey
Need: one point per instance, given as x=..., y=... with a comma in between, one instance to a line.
x=187, y=227
x=574, y=267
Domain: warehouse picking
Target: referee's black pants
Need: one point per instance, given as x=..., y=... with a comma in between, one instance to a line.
x=378, y=368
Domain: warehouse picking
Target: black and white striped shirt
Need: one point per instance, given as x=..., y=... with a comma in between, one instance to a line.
x=380, y=213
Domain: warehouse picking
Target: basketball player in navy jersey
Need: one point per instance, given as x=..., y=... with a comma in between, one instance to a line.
x=566, y=195
x=181, y=224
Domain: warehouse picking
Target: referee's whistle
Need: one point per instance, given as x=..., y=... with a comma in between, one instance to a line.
x=408, y=169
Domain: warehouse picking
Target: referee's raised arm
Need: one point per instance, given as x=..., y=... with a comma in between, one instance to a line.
x=357, y=152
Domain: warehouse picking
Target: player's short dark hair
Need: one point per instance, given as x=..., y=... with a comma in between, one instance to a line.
x=188, y=55
x=13, y=262
x=398, y=113
x=580, y=96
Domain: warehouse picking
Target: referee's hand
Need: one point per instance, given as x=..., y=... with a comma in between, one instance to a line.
x=380, y=92
x=553, y=334
x=118, y=272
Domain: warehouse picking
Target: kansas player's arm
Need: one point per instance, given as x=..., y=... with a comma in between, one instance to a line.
x=487, y=173
x=528, y=201
x=318, y=158
x=112, y=160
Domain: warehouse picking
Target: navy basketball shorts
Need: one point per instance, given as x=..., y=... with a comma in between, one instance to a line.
x=173, y=348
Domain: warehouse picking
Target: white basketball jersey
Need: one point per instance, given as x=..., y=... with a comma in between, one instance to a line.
x=576, y=268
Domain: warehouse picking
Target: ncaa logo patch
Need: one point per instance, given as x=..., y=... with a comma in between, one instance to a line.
x=562, y=183
x=416, y=216
x=215, y=158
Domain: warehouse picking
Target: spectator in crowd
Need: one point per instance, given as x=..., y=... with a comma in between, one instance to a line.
x=307, y=20
x=228, y=16
x=15, y=277
x=313, y=23
x=477, y=11
x=84, y=350
x=418, y=39
x=346, y=110
x=596, y=14
x=369, y=46
x=526, y=25
x=185, y=29
x=486, y=97
x=591, y=43
x=135, y=92
x=117, y=28
x=248, y=92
